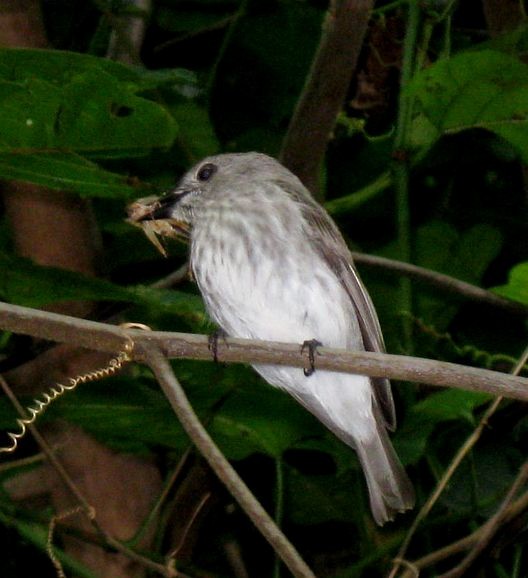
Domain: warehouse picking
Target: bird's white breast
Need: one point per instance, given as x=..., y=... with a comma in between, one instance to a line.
x=261, y=279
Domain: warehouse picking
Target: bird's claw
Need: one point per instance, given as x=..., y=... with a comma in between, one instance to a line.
x=311, y=345
x=212, y=342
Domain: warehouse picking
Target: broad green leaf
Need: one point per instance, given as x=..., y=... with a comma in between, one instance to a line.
x=465, y=256
x=517, y=286
x=450, y=404
x=413, y=434
x=479, y=89
x=60, y=66
x=196, y=130
x=94, y=113
x=482, y=482
x=182, y=20
x=25, y=283
x=67, y=171
x=56, y=105
x=315, y=499
x=124, y=413
x=261, y=419
x=61, y=102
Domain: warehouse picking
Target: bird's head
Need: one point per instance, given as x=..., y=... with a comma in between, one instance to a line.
x=225, y=182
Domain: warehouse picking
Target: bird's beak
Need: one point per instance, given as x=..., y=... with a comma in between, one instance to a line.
x=154, y=216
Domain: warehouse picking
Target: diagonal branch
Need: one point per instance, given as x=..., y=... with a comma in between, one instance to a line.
x=314, y=117
x=154, y=357
x=448, y=474
x=109, y=338
x=451, y=285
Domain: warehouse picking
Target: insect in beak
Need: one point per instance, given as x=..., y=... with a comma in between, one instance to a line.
x=151, y=215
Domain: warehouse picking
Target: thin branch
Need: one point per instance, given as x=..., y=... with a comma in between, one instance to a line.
x=47, y=451
x=154, y=357
x=128, y=31
x=173, y=279
x=79, y=497
x=110, y=338
x=323, y=95
x=400, y=167
x=491, y=527
x=513, y=511
x=453, y=466
x=445, y=282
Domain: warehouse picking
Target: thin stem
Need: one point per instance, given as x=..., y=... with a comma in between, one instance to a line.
x=445, y=283
x=219, y=464
x=388, y=7
x=491, y=527
x=446, y=46
x=225, y=44
x=400, y=166
x=358, y=198
x=279, y=506
x=314, y=117
x=453, y=466
x=77, y=494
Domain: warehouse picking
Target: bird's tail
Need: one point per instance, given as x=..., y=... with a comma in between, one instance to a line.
x=389, y=487
x=345, y=405
x=390, y=490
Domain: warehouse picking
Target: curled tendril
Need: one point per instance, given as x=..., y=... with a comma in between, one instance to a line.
x=59, y=389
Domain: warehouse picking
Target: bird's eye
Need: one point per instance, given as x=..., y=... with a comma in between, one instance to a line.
x=206, y=172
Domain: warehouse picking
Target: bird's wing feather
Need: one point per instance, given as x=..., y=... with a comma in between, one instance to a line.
x=328, y=242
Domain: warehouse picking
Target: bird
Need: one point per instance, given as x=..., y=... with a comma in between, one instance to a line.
x=271, y=264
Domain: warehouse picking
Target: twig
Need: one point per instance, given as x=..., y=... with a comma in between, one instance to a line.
x=514, y=510
x=173, y=279
x=128, y=31
x=46, y=449
x=314, y=117
x=77, y=494
x=455, y=462
x=491, y=527
x=444, y=282
x=400, y=166
x=110, y=338
x=154, y=357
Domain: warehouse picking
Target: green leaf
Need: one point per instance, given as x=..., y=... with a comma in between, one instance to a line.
x=124, y=413
x=25, y=283
x=261, y=419
x=517, y=286
x=412, y=436
x=69, y=172
x=94, y=113
x=450, y=404
x=56, y=105
x=196, y=129
x=315, y=499
x=60, y=66
x=480, y=89
x=38, y=535
x=465, y=256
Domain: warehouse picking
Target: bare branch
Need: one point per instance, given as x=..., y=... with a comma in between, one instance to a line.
x=445, y=282
x=491, y=527
x=103, y=337
x=463, y=451
x=314, y=117
x=513, y=511
x=154, y=357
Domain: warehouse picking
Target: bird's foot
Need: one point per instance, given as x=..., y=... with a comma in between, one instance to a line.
x=311, y=345
x=212, y=342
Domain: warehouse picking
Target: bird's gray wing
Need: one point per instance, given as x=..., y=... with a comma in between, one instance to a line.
x=328, y=242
